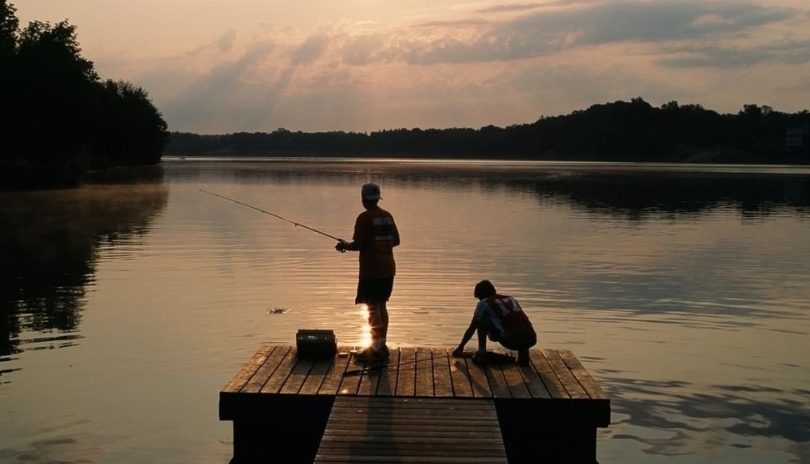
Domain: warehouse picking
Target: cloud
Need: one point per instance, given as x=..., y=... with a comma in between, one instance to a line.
x=801, y=86
x=512, y=7
x=225, y=42
x=508, y=8
x=474, y=70
x=711, y=56
x=654, y=22
x=453, y=23
x=576, y=24
x=544, y=32
x=363, y=49
x=312, y=48
x=222, y=92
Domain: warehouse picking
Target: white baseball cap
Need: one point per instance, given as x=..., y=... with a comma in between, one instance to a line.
x=371, y=191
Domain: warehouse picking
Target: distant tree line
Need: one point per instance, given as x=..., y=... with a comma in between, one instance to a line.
x=59, y=118
x=618, y=131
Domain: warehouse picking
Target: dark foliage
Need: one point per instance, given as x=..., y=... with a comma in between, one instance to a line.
x=619, y=131
x=59, y=118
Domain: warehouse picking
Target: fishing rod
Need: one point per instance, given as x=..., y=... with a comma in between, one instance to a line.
x=274, y=215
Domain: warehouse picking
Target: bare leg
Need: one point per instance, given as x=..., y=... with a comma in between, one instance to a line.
x=523, y=358
x=375, y=320
x=483, y=331
x=383, y=323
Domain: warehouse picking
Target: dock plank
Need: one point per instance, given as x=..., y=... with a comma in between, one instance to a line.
x=370, y=378
x=350, y=383
x=332, y=379
x=267, y=369
x=414, y=459
x=536, y=387
x=387, y=385
x=469, y=417
x=430, y=403
x=514, y=381
x=447, y=417
x=442, y=384
x=406, y=376
x=416, y=424
x=381, y=405
x=297, y=377
x=568, y=380
x=547, y=376
x=590, y=385
x=317, y=374
x=460, y=378
x=424, y=372
x=411, y=431
x=359, y=448
x=248, y=370
x=282, y=373
x=497, y=382
x=449, y=439
x=478, y=380
x=438, y=433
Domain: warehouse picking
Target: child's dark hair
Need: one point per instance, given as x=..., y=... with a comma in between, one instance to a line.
x=484, y=289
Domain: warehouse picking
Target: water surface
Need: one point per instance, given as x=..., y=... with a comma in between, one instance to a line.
x=127, y=304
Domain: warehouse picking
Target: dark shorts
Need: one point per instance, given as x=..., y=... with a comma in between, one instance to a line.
x=522, y=342
x=374, y=290
x=517, y=345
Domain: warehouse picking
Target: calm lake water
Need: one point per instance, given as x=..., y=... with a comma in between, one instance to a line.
x=127, y=304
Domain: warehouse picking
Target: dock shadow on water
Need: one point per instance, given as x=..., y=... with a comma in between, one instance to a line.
x=49, y=243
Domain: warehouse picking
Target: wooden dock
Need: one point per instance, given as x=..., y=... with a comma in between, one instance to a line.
x=377, y=429
x=422, y=405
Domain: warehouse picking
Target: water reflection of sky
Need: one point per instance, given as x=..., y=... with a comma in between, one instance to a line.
x=673, y=419
x=684, y=293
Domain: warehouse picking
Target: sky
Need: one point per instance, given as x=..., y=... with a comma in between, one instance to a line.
x=222, y=66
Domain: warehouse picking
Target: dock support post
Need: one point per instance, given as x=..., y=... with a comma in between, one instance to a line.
x=283, y=432
x=550, y=445
x=551, y=432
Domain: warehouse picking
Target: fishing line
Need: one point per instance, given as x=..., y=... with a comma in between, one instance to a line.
x=274, y=215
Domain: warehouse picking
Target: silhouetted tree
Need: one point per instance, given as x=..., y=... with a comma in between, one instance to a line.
x=8, y=30
x=8, y=49
x=130, y=131
x=59, y=119
x=618, y=131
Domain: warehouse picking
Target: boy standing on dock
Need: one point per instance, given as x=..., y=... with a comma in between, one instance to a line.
x=500, y=318
x=375, y=236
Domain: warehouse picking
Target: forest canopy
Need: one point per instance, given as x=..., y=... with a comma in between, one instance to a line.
x=618, y=131
x=60, y=119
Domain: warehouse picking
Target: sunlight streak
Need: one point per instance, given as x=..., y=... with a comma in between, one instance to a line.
x=365, y=330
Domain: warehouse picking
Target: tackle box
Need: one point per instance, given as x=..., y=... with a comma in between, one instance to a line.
x=316, y=343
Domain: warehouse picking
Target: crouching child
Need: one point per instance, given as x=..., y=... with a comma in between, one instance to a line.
x=501, y=319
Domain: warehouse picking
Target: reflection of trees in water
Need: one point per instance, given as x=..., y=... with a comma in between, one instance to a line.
x=623, y=192
x=722, y=412
x=49, y=242
x=639, y=195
